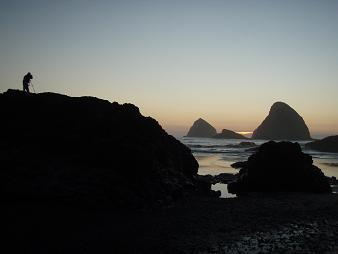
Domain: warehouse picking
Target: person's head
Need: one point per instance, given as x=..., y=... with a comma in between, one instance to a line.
x=30, y=75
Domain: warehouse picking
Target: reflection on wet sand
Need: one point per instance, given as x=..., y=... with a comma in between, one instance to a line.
x=214, y=165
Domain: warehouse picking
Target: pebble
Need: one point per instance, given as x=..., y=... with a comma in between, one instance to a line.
x=293, y=238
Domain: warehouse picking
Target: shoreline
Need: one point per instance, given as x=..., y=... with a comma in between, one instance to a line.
x=214, y=164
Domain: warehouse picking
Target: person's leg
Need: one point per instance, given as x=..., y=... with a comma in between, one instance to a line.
x=26, y=88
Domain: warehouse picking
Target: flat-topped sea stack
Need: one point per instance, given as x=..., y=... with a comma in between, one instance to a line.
x=201, y=129
x=328, y=144
x=228, y=134
x=55, y=147
x=282, y=123
x=279, y=167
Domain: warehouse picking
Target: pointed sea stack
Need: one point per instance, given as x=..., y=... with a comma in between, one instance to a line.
x=282, y=123
x=228, y=134
x=201, y=129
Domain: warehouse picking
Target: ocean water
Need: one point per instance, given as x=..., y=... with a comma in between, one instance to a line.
x=215, y=156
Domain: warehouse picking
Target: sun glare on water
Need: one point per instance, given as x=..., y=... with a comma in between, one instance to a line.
x=244, y=132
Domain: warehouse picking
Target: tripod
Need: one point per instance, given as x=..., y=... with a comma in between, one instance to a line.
x=33, y=87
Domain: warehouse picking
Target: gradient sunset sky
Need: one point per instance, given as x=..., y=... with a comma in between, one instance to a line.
x=178, y=60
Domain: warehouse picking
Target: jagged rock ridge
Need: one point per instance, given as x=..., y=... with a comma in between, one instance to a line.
x=282, y=123
x=228, y=134
x=201, y=129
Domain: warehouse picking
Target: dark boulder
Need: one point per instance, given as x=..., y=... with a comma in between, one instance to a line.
x=239, y=164
x=203, y=186
x=55, y=147
x=279, y=167
x=228, y=134
x=224, y=178
x=282, y=123
x=328, y=144
x=201, y=129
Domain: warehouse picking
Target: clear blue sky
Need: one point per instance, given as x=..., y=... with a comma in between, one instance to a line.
x=224, y=61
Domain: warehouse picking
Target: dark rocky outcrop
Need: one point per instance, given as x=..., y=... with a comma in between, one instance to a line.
x=282, y=123
x=239, y=164
x=55, y=147
x=279, y=167
x=224, y=178
x=220, y=178
x=328, y=144
x=201, y=129
x=203, y=184
x=228, y=134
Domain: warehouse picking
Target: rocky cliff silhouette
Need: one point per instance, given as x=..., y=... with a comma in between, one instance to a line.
x=201, y=129
x=59, y=147
x=282, y=123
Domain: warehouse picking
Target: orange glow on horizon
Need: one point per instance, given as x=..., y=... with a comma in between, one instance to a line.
x=244, y=132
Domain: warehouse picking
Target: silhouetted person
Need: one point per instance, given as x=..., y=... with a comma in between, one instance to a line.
x=26, y=81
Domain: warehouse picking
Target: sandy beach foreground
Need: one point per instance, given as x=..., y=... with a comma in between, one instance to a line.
x=280, y=223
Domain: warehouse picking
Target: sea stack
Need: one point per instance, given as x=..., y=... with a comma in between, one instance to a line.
x=201, y=129
x=282, y=123
x=228, y=134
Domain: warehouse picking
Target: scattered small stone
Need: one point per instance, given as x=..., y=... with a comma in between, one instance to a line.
x=288, y=240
